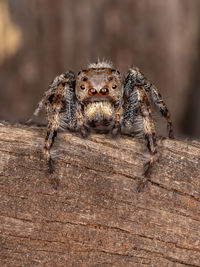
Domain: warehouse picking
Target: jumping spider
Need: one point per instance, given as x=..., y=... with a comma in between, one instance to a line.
x=100, y=100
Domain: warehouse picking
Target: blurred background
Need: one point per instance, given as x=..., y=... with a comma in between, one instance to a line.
x=43, y=38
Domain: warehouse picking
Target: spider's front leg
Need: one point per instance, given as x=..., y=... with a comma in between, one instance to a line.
x=149, y=128
x=149, y=134
x=137, y=105
x=138, y=79
x=60, y=104
x=54, y=119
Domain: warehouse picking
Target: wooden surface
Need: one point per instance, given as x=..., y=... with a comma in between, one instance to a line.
x=96, y=217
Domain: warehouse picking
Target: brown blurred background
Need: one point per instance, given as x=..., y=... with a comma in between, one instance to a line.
x=43, y=38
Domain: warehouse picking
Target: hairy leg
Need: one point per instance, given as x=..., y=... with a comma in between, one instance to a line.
x=48, y=96
x=59, y=103
x=149, y=132
x=54, y=109
x=138, y=79
x=157, y=99
x=137, y=105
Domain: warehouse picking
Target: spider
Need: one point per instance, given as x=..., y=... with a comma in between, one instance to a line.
x=100, y=100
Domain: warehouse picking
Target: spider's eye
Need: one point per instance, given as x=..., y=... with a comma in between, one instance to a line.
x=114, y=86
x=82, y=87
x=84, y=79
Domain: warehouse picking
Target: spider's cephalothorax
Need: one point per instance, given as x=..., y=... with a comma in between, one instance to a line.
x=100, y=100
x=99, y=93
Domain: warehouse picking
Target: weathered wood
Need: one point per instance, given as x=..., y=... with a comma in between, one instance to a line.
x=96, y=217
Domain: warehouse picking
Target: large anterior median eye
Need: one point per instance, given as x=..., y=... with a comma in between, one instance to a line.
x=104, y=91
x=92, y=91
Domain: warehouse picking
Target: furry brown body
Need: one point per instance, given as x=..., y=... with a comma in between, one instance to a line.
x=100, y=100
x=100, y=95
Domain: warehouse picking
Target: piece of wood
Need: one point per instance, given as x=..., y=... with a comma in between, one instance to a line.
x=96, y=217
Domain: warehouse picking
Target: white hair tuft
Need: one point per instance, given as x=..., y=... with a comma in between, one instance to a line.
x=101, y=64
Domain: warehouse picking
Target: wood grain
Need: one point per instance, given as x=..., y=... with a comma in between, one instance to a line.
x=96, y=217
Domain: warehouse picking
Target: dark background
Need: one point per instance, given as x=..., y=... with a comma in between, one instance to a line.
x=43, y=38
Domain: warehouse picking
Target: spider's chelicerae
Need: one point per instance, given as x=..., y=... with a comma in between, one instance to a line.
x=99, y=100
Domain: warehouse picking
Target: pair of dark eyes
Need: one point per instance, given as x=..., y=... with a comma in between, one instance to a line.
x=85, y=79
x=113, y=87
